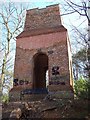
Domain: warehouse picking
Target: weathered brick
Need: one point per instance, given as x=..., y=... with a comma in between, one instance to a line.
x=44, y=38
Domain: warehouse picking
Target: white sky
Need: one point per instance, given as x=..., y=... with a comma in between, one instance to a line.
x=35, y=0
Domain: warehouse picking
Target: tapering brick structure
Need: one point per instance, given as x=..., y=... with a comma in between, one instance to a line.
x=43, y=48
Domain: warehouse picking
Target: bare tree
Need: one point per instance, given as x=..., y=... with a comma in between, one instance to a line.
x=12, y=20
x=82, y=8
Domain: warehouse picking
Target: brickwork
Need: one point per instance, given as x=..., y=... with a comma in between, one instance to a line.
x=43, y=35
x=42, y=18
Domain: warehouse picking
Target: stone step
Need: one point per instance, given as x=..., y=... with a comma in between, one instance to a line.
x=33, y=97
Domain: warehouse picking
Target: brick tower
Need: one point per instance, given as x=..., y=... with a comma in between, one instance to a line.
x=43, y=54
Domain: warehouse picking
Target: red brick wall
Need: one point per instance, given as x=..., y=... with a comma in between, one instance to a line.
x=42, y=18
x=52, y=42
x=40, y=41
x=29, y=46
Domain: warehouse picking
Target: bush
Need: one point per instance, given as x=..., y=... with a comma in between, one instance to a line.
x=5, y=98
x=82, y=88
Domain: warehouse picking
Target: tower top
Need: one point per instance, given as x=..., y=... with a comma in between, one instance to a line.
x=42, y=18
x=42, y=21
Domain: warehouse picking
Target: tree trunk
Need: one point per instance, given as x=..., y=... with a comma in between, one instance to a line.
x=88, y=66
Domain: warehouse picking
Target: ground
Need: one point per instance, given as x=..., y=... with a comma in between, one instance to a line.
x=49, y=108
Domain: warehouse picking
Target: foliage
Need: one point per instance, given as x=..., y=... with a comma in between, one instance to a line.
x=79, y=63
x=80, y=34
x=5, y=98
x=82, y=88
x=80, y=55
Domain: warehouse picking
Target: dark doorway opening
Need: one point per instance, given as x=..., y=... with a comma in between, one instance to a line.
x=39, y=71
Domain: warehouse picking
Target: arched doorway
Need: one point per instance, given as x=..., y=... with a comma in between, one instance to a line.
x=39, y=71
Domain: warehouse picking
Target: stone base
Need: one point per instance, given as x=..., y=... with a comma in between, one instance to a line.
x=62, y=95
x=53, y=88
x=15, y=92
x=56, y=91
x=33, y=97
x=16, y=96
x=61, y=91
x=19, y=93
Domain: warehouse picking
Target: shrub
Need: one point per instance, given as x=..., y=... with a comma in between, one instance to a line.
x=82, y=88
x=5, y=98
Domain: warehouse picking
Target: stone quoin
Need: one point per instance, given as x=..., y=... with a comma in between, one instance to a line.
x=43, y=53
